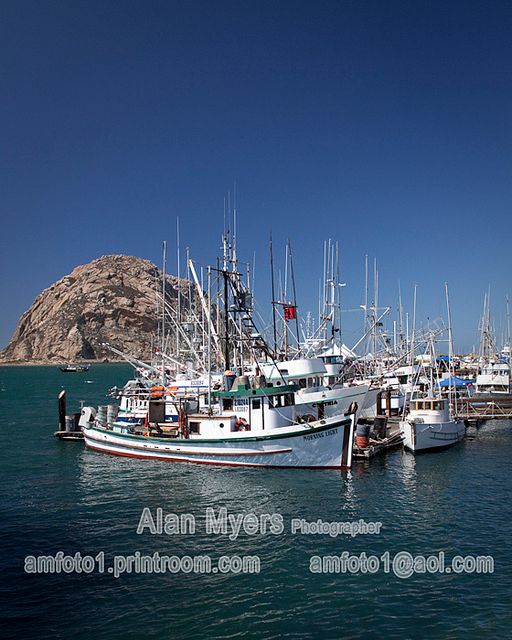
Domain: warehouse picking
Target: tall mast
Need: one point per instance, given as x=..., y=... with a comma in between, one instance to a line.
x=177, y=354
x=163, y=310
x=209, y=341
x=413, y=345
x=274, y=320
x=365, y=326
x=294, y=292
x=452, y=396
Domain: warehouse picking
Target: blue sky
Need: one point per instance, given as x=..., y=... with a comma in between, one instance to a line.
x=384, y=125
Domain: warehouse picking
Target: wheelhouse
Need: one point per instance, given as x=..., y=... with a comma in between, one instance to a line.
x=428, y=404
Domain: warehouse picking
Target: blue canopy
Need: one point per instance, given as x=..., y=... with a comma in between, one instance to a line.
x=455, y=382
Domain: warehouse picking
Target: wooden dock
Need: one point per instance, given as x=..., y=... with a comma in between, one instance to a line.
x=378, y=446
x=484, y=407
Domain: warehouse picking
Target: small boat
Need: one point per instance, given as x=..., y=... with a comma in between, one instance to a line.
x=75, y=368
x=429, y=425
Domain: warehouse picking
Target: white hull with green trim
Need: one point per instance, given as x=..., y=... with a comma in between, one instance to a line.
x=322, y=444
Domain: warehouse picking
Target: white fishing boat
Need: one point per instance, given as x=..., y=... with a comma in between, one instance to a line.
x=313, y=397
x=429, y=425
x=245, y=426
x=430, y=422
x=494, y=377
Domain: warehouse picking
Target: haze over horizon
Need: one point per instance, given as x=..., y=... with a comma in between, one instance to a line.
x=386, y=126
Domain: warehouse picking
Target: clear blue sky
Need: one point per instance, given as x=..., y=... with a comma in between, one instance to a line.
x=385, y=125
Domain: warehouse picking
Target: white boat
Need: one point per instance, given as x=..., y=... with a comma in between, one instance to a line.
x=313, y=397
x=429, y=425
x=494, y=377
x=249, y=426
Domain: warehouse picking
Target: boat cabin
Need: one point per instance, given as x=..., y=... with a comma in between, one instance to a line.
x=428, y=404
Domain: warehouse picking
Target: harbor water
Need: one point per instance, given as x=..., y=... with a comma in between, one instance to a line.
x=59, y=497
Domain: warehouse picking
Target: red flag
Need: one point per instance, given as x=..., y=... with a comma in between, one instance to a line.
x=290, y=312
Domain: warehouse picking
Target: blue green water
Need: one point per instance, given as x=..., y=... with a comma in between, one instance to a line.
x=57, y=496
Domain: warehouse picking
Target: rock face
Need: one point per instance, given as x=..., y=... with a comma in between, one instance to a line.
x=111, y=299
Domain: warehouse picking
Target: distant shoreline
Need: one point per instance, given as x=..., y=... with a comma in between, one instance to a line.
x=43, y=363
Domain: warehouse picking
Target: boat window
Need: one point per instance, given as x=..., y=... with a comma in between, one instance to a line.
x=289, y=400
x=256, y=403
x=193, y=428
x=227, y=404
x=302, y=383
x=310, y=382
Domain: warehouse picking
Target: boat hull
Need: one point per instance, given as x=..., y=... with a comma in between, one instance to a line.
x=419, y=437
x=326, y=444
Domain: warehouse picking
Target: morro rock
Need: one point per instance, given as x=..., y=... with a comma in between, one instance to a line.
x=110, y=300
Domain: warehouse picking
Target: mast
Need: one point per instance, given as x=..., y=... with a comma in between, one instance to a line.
x=226, y=320
x=273, y=297
x=209, y=342
x=179, y=283
x=413, y=338
x=294, y=293
x=163, y=310
x=452, y=397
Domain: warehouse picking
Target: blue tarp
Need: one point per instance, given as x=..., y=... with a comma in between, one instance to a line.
x=455, y=382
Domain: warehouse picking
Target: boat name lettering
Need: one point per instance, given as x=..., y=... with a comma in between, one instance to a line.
x=321, y=434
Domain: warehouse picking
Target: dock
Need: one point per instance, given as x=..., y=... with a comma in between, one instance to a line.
x=484, y=407
x=69, y=427
x=378, y=444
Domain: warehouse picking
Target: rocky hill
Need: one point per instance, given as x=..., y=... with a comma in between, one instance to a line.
x=111, y=299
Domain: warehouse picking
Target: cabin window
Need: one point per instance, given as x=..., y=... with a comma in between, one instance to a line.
x=193, y=428
x=302, y=383
x=289, y=400
x=256, y=403
x=227, y=404
x=311, y=382
x=274, y=402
